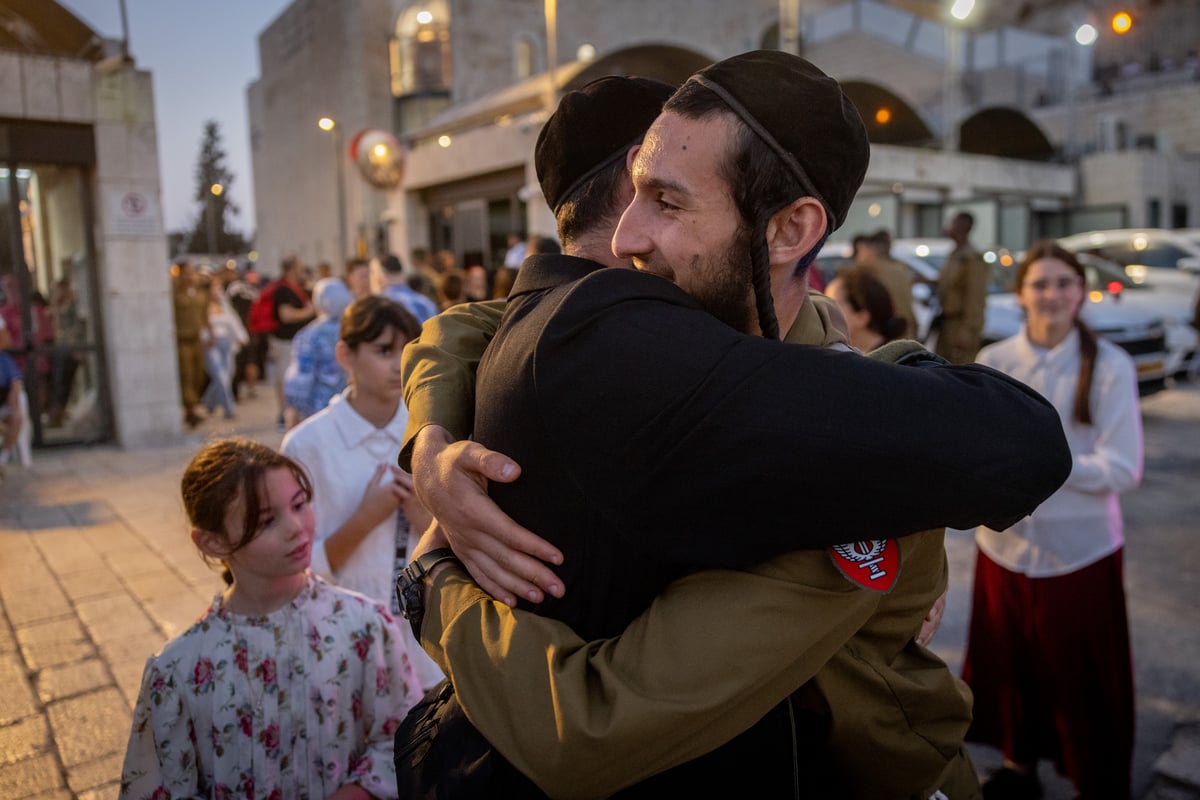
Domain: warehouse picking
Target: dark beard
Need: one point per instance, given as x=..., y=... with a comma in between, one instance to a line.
x=728, y=292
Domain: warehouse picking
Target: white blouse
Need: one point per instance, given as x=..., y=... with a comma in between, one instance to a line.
x=1081, y=522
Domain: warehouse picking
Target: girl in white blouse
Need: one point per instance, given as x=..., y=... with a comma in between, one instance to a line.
x=1048, y=654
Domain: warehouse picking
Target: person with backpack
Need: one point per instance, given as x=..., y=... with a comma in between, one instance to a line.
x=281, y=310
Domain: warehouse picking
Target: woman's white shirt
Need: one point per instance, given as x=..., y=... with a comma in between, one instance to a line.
x=1081, y=522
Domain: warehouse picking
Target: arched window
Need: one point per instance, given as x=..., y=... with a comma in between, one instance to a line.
x=525, y=56
x=421, y=60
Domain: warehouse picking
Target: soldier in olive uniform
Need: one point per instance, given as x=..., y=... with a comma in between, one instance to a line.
x=962, y=292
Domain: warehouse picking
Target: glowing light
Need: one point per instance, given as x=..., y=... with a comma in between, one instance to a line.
x=922, y=250
x=1006, y=260
x=962, y=9
x=252, y=256
x=989, y=257
x=217, y=189
x=325, y=124
x=883, y=116
x=1121, y=22
x=1136, y=272
x=1086, y=34
x=1096, y=296
x=897, y=188
x=444, y=140
x=379, y=151
x=874, y=210
x=1115, y=287
x=424, y=17
x=586, y=52
x=1140, y=242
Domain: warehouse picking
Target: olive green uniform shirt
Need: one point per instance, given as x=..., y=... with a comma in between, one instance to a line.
x=962, y=293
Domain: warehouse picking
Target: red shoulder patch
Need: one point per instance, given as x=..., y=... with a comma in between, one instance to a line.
x=873, y=564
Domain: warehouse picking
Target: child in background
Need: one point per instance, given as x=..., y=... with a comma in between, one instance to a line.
x=287, y=686
x=314, y=375
x=365, y=507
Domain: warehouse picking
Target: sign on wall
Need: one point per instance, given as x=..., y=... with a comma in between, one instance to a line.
x=133, y=212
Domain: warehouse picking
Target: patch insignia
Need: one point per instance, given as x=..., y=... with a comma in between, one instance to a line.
x=873, y=564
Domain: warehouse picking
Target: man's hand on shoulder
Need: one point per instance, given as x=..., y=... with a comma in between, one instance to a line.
x=451, y=479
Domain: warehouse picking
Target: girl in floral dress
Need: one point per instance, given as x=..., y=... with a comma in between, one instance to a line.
x=287, y=687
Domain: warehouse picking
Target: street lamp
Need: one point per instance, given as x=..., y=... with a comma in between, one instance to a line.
x=960, y=10
x=327, y=124
x=214, y=191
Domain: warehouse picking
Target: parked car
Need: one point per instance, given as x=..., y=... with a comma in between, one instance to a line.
x=1135, y=326
x=1164, y=266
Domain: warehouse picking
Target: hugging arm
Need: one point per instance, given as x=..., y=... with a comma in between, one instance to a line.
x=451, y=476
x=587, y=719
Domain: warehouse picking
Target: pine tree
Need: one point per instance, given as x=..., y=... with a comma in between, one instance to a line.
x=210, y=171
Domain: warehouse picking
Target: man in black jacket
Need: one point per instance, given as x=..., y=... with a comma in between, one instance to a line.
x=656, y=440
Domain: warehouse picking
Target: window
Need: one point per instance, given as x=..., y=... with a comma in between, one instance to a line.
x=420, y=52
x=524, y=57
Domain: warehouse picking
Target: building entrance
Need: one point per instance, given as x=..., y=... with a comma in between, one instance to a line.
x=48, y=300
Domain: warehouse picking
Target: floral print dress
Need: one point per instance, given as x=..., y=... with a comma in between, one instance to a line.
x=294, y=704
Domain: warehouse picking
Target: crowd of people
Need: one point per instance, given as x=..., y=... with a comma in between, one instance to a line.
x=583, y=498
x=234, y=329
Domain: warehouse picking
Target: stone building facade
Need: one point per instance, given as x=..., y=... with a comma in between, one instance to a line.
x=1003, y=116
x=79, y=177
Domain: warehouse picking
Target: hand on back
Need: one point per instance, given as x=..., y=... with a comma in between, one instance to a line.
x=451, y=479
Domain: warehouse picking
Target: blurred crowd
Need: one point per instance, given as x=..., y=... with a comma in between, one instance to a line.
x=238, y=328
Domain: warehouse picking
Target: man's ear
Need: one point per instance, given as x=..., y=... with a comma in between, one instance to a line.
x=795, y=230
x=211, y=544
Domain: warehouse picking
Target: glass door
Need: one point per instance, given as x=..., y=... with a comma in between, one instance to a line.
x=49, y=302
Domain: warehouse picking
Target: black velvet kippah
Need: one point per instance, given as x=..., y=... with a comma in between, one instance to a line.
x=591, y=127
x=803, y=115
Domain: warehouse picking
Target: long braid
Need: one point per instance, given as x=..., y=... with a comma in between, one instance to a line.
x=760, y=279
x=1087, y=368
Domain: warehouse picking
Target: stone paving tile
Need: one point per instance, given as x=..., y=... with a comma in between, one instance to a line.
x=95, y=774
x=16, y=700
x=8, y=641
x=135, y=561
x=25, y=605
x=110, y=791
x=66, y=550
x=176, y=614
x=60, y=641
x=128, y=674
x=37, y=517
x=91, y=726
x=91, y=582
x=29, y=777
x=24, y=739
x=57, y=794
x=49, y=654
x=68, y=680
x=113, y=617
x=160, y=584
x=115, y=536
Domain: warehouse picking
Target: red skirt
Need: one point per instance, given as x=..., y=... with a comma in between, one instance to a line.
x=1049, y=662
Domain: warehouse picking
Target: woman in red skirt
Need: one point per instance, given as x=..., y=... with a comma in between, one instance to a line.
x=1048, y=653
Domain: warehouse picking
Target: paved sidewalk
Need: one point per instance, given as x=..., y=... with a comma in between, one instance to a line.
x=96, y=572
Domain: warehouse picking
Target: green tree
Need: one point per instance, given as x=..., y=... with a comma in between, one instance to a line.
x=211, y=230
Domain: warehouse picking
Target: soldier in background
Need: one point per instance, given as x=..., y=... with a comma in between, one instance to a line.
x=962, y=292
